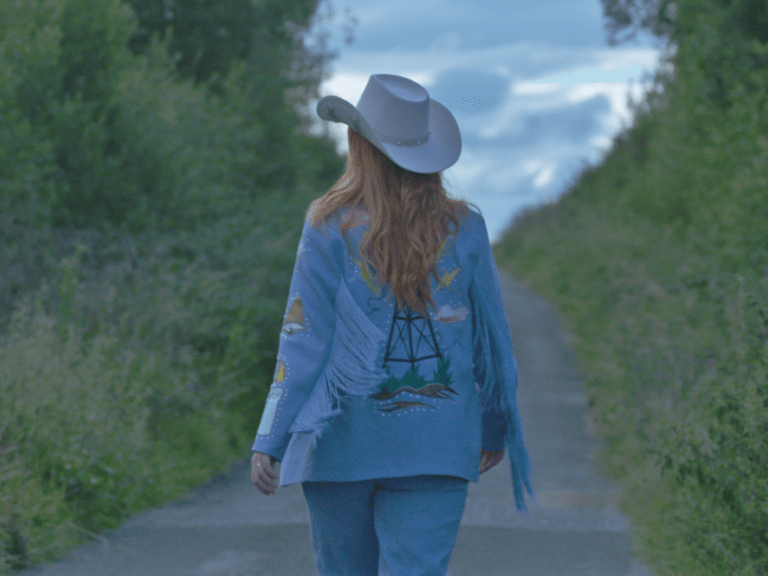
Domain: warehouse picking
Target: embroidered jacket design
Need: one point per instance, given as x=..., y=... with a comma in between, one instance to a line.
x=447, y=315
x=280, y=376
x=446, y=280
x=294, y=321
x=412, y=340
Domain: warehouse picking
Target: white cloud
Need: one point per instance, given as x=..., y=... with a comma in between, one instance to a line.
x=536, y=88
x=545, y=175
x=416, y=25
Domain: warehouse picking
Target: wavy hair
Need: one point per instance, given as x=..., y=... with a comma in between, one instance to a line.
x=410, y=218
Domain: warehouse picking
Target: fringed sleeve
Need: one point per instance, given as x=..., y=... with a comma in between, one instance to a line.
x=306, y=339
x=353, y=369
x=494, y=365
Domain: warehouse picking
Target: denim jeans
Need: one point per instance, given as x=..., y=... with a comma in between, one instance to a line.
x=387, y=527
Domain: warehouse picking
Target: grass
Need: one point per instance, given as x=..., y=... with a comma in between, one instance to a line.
x=668, y=319
x=132, y=368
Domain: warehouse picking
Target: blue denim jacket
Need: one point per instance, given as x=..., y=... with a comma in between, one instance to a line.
x=365, y=390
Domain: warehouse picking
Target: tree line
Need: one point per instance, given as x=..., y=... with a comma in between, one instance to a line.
x=155, y=165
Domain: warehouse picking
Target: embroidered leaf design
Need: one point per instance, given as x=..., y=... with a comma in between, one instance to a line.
x=443, y=374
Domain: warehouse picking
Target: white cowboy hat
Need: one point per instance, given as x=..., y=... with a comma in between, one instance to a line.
x=397, y=116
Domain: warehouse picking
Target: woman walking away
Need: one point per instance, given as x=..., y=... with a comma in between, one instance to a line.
x=395, y=382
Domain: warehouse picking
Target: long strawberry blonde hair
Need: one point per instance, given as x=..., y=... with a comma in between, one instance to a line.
x=410, y=217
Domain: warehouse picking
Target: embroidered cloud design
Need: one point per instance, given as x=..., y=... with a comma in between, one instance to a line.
x=446, y=314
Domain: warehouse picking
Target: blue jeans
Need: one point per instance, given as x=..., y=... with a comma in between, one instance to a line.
x=387, y=527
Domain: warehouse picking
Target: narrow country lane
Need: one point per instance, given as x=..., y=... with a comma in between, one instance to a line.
x=227, y=528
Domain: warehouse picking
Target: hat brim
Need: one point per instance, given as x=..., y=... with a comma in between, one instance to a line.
x=441, y=150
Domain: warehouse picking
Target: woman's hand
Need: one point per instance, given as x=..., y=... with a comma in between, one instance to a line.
x=262, y=474
x=489, y=459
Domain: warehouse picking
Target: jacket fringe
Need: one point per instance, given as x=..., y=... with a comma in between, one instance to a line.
x=354, y=366
x=493, y=357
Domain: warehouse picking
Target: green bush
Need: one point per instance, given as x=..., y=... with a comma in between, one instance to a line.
x=718, y=452
x=138, y=370
x=74, y=425
x=657, y=259
x=673, y=351
x=148, y=228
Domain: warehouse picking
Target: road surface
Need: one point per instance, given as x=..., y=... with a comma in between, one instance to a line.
x=227, y=528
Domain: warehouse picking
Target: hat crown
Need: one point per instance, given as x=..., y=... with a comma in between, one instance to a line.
x=399, y=118
x=396, y=108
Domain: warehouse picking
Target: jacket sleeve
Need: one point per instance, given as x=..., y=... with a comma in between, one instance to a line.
x=495, y=367
x=486, y=283
x=306, y=337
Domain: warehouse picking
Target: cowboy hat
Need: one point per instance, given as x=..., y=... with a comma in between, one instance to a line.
x=397, y=116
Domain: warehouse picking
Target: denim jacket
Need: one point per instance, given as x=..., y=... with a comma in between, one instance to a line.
x=363, y=389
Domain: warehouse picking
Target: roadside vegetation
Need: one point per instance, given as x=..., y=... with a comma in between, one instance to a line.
x=657, y=259
x=151, y=169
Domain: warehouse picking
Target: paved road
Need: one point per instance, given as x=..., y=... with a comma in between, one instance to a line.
x=228, y=528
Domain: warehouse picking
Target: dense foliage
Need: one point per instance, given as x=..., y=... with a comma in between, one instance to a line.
x=150, y=207
x=658, y=260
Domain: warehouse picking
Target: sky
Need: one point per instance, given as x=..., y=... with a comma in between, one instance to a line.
x=535, y=88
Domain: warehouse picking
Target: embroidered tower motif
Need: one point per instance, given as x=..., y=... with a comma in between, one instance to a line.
x=412, y=340
x=406, y=326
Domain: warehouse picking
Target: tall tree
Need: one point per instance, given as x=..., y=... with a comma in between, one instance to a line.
x=209, y=36
x=672, y=19
x=624, y=19
x=254, y=54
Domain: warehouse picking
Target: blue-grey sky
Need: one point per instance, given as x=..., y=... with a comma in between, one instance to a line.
x=533, y=84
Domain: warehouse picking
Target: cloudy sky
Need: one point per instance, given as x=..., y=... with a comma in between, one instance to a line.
x=533, y=84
